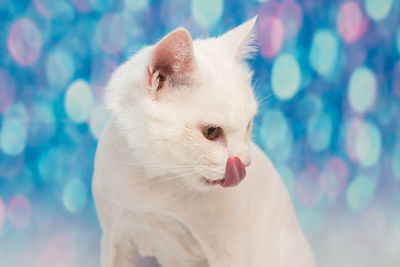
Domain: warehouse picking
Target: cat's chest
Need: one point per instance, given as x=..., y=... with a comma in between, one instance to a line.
x=163, y=236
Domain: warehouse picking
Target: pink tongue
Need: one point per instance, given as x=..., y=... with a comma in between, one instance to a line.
x=234, y=172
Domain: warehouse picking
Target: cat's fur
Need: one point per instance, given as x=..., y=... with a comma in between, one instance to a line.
x=148, y=187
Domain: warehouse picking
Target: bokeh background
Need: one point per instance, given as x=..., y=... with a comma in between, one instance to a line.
x=327, y=76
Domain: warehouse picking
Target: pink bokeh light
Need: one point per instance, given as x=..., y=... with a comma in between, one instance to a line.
x=271, y=33
x=111, y=34
x=334, y=176
x=308, y=186
x=43, y=8
x=25, y=42
x=277, y=21
x=7, y=90
x=396, y=79
x=351, y=22
x=2, y=214
x=291, y=15
x=83, y=6
x=351, y=133
x=19, y=211
x=60, y=251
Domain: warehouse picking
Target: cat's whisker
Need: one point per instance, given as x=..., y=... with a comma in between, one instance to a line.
x=264, y=102
x=186, y=183
x=163, y=168
x=183, y=163
x=168, y=167
x=156, y=180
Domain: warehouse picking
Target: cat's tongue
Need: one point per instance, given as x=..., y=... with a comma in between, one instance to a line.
x=234, y=172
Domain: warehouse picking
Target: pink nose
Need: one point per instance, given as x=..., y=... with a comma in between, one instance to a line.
x=234, y=172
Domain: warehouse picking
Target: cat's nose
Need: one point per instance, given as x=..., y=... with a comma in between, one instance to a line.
x=243, y=153
x=245, y=158
x=246, y=161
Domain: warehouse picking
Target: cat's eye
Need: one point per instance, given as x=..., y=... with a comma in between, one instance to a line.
x=211, y=132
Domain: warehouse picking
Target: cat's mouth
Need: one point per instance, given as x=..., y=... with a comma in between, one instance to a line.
x=213, y=182
x=234, y=174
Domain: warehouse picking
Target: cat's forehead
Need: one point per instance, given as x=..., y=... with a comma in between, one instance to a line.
x=212, y=56
x=223, y=93
x=218, y=68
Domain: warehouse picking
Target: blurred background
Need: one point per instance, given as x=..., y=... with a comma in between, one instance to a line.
x=327, y=76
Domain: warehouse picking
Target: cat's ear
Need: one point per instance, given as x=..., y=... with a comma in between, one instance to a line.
x=242, y=39
x=172, y=58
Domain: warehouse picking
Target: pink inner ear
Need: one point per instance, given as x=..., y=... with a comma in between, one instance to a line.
x=173, y=55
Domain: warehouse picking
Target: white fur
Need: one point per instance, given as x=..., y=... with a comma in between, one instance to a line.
x=151, y=156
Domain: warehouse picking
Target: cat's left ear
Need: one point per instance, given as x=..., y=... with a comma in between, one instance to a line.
x=172, y=59
x=242, y=39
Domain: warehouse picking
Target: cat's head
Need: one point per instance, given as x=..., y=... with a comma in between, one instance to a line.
x=186, y=107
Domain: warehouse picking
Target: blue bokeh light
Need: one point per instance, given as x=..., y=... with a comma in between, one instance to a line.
x=13, y=132
x=207, y=12
x=368, y=142
x=309, y=105
x=398, y=40
x=319, y=131
x=362, y=89
x=60, y=68
x=98, y=120
x=101, y=5
x=42, y=125
x=378, y=9
x=79, y=101
x=136, y=5
x=286, y=76
x=13, y=137
x=395, y=162
x=324, y=52
x=360, y=192
x=75, y=195
x=277, y=136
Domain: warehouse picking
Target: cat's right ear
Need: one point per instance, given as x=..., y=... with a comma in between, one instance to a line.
x=242, y=40
x=172, y=58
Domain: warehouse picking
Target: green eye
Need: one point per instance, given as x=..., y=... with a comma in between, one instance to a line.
x=211, y=132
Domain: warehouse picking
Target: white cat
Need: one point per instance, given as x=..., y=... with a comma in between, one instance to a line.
x=176, y=173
